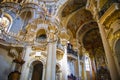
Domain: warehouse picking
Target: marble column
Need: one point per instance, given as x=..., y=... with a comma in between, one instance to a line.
x=109, y=54
x=54, y=61
x=13, y=66
x=30, y=73
x=64, y=37
x=60, y=75
x=65, y=65
x=79, y=66
x=51, y=61
x=76, y=68
x=93, y=68
x=82, y=75
x=25, y=68
x=84, y=68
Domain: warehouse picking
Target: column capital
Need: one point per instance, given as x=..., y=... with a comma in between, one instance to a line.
x=64, y=37
x=75, y=44
x=52, y=28
x=52, y=37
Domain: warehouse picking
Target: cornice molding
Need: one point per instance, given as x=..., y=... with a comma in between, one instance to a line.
x=109, y=12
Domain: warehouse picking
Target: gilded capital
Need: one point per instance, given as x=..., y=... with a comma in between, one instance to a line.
x=52, y=37
x=52, y=28
x=64, y=37
x=75, y=44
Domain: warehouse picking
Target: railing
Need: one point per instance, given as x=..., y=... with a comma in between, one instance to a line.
x=41, y=40
x=70, y=50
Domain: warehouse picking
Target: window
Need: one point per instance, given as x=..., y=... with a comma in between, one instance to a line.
x=42, y=36
x=87, y=63
x=4, y=23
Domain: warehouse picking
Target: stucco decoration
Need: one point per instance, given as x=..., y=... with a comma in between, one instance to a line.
x=72, y=6
x=92, y=42
x=80, y=18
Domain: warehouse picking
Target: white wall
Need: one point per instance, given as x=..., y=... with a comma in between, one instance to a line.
x=5, y=64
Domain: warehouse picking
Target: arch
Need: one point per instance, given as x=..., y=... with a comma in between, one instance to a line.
x=70, y=33
x=78, y=18
x=117, y=50
x=40, y=32
x=114, y=32
x=116, y=54
x=72, y=14
x=31, y=64
x=75, y=6
x=9, y=18
x=37, y=70
x=59, y=11
x=41, y=37
x=36, y=62
x=26, y=15
x=82, y=26
x=34, y=59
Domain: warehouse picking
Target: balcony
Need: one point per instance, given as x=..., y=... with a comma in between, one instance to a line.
x=71, y=53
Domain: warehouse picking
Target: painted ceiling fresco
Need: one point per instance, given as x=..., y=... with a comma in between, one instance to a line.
x=72, y=6
x=91, y=39
x=87, y=27
x=81, y=17
x=92, y=42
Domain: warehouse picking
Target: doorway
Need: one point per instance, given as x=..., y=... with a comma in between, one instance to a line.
x=37, y=70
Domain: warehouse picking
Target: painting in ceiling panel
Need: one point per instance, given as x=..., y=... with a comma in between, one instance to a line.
x=87, y=27
x=72, y=6
x=92, y=42
x=81, y=17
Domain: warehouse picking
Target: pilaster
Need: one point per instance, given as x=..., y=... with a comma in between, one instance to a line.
x=51, y=54
x=25, y=67
x=109, y=55
x=64, y=38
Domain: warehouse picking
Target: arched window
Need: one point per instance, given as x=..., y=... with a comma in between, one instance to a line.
x=87, y=63
x=42, y=36
x=37, y=70
x=4, y=23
